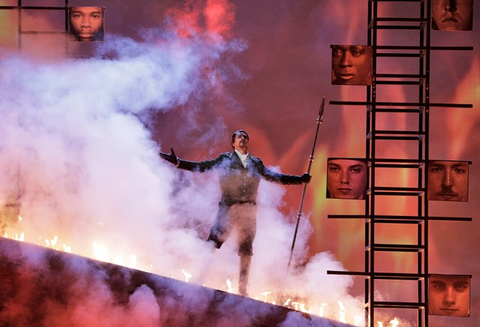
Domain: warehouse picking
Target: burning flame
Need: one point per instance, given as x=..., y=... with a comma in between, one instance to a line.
x=394, y=323
x=187, y=275
x=341, y=314
x=266, y=294
x=102, y=252
x=229, y=286
x=322, y=308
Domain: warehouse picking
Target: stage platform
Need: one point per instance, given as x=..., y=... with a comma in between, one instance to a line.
x=44, y=287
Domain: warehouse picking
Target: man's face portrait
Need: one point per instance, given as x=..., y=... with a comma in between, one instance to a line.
x=351, y=65
x=449, y=295
x=452, y=15
x=448, y=181
x=346, y=179
x=87, y=23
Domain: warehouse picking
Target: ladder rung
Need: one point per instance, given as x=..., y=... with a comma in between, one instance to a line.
x=402, y=166
x=400, y=76
x=397, y=110
x=400, y=0
x=375, y=218
x=398, y=189
x=380, y=131
x=32, y=8
x=401, y=20
x=398, y=27
x=398, y=305
x=398, y=138
x=452, y=48
x=390, y=221
x=397, y=193
x=402, y=55
x=401, y=104
x=390, y=160
x=399, y=82
x=397, y=247
x=401, y=47
x=379, y=275
x=42, y=32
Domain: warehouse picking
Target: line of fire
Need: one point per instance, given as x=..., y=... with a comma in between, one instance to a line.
x=239, y=163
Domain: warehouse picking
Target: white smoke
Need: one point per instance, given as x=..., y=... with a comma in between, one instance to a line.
x=83, y=167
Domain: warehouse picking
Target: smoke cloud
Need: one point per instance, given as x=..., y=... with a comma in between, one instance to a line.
x=78, y=161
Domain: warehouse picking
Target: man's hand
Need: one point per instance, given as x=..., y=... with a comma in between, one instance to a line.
x=306, y=178
x=170, y=157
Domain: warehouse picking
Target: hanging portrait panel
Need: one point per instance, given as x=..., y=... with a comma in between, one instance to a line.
x=449, y=295
x=351, y=65
x=86, y=24
x=448, y=180
x=347, y=178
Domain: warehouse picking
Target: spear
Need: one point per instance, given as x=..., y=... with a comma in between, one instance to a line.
x=319, y=121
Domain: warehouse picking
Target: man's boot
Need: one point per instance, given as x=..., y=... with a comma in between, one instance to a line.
x=244, y=272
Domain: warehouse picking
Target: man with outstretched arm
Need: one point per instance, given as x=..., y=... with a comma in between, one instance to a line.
x=240, y=175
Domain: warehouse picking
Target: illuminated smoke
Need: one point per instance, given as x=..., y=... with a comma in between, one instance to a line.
x=77, y=156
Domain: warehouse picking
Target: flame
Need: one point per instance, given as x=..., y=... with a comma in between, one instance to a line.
x=51, y=243
x=16, y=238
x=187, y=275
x=266, y=294
x=229, y=286
x=67, y=248
x=341, y=314
x=322, y=309
x=102, y=252
x=394, y=322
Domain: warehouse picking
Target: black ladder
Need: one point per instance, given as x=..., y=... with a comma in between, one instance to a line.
x=380, y=103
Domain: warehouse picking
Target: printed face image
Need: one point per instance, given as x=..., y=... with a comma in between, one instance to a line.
x=448, y=180
x=452, y=15
x=351, y=65
x=86, y=23
x=449, y=295
x=346, y=179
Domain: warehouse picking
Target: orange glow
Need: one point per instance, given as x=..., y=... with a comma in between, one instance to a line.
x=467, y=92
x=218, y=14
x=220, y=17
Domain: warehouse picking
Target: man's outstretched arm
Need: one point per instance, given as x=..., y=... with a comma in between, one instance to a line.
x=200, y=166
x=295, y=179
x=171, y=157
x=273, y=176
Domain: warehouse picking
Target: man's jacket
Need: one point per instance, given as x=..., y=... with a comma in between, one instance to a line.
x=239, y=184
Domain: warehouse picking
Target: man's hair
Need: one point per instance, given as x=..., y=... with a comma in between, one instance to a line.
x=239, y=131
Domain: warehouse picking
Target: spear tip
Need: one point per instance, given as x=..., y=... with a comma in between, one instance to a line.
x=322, y=107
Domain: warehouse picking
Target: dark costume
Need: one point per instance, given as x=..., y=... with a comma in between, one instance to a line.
x=237, y=208
x=239, y=186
